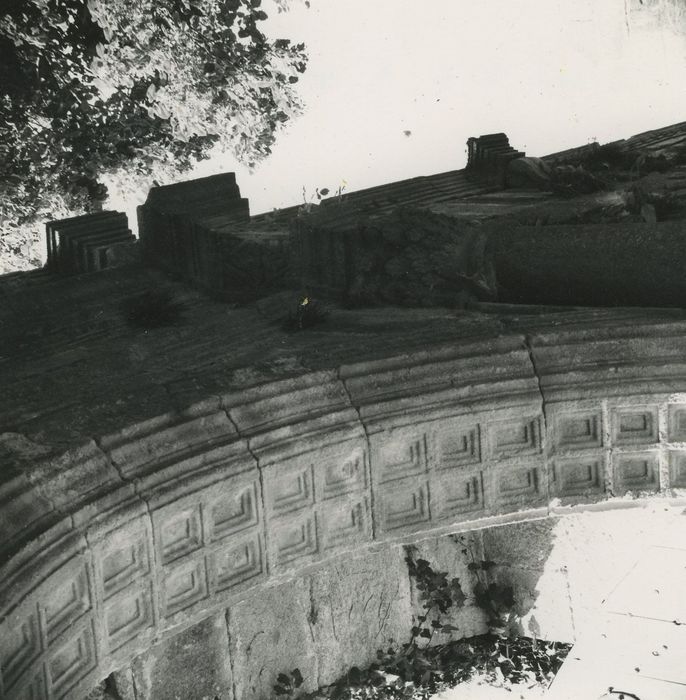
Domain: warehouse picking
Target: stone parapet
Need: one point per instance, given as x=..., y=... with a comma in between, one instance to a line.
x=488, y=156
x=87, y=243
x=199, y=231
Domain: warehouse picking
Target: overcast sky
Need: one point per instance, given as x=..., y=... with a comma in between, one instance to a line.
x=551, y=74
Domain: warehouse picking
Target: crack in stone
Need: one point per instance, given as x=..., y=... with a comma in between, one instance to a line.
x=231, y=664
x=569, y=598
x=252, y=641
x=368, y=464
x=259, y=473
x=544, y=433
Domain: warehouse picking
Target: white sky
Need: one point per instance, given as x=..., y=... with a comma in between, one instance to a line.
x=551, y=74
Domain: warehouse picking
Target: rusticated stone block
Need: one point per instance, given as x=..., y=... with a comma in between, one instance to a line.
x=446, y=554
x=578, y=430
x=677, y=422
x=635, y=425
x=52, y=632
x=516, y=485
x=457, y=495
x=21, y=645
x=527, y=545
x=514, y=437
x=193, y=664
x=270, y=634
x=72, y=657
x=209, y=544
x=525, y=559
x=677, y=469
x=578, y=476
x=359, y=605
x=636, y=471
x=317, y=504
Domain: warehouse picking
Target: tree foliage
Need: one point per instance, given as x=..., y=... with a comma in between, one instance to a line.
x=134, y=89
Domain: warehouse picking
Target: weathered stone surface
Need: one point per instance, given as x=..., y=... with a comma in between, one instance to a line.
x=271, y=634
x=80, y=244
x=523, y=558
x=489, y=156
x=193, y=664
x=410, y=257
x=154, y=478
x=636, y=264
x=526, y=545
x=359, y=605
x=197, y=508
x=200, y=231
x=446, y=554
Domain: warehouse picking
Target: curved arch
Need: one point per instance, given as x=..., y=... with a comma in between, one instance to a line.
x=140, y=533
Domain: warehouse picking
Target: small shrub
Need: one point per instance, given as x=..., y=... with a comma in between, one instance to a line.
x=152, y=309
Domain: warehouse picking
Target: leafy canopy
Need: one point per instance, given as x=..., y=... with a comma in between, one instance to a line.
x=132, y=89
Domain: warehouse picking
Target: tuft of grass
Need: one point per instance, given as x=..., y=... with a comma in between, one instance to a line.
x=153, y=308
x=308, y=313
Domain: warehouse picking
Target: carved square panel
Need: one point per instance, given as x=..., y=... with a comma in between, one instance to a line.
x=636, y=472
x=294, y=538
x=513, y=438
x=459, y=447
x=124, y=562
x=71, y=660
x=404, y=506
x=345, y=522
x=579, y=430
x=66, y=602
x=179, y=533
x=289, y=489
x=233, y=512
x=184, y=585
x=30, y=687
x=236, y=563
x=632, y=426
x=677, y=422
x=457, y=495
x=128, y=614
x=20, y=644
x=677, y=469
x=339, y=476
x=578, y=476
x=519, y=484
x=401, y=457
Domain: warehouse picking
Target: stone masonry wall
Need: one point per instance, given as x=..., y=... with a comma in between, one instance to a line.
x=147, y=531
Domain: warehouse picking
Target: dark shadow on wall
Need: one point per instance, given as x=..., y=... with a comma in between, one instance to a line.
x=517, y=554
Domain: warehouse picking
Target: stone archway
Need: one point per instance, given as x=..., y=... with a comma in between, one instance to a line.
x=144, y=532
